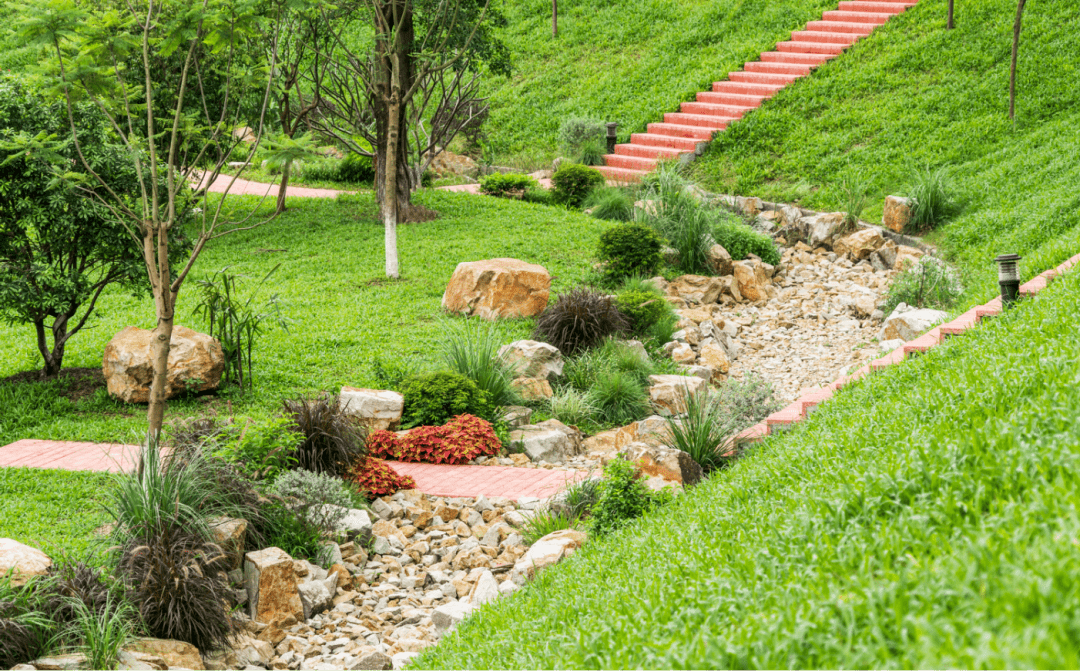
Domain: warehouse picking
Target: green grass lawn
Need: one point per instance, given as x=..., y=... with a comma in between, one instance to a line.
x=924, y=518
x=54, y=510
x=914, y=94
x=344, y=313
x=626, y=61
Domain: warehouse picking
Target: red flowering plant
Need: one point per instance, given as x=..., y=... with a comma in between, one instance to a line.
x=377, y=478
x=384, y=445
x=460, y=440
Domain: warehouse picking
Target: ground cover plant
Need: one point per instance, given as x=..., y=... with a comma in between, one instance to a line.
x=915, y=97
x=931, y=532
x=625, y=62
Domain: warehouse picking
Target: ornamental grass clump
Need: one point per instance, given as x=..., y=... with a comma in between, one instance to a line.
x=580, y=319
x=472, y=349
x=611, y=203
x=330, y=440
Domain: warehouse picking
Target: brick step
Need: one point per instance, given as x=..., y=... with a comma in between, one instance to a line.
x=681, y=131
x=730, y=111
x=709, y=121
x=824, y=26
x=778, y=68
x=629, y=162
x=763, y=78
x=648, y=151
x=871, y=18
x=746, y=88
x=873, y=7
x=621, y=175
x=804, y=59
x=670, y=141
x=736, y=99
x=831, y=49
x=823, y=37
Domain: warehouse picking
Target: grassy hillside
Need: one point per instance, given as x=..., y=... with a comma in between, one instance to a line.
x=924, y=518
x=916, y=95
x=627, y=61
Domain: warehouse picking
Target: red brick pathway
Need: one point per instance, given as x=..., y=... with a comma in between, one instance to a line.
x=435, y=479
x=445, y=480
x=69, y=455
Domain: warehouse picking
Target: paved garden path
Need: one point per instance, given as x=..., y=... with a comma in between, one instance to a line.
x=441, y=480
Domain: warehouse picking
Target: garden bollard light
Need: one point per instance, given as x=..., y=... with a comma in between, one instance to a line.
x=611, y=126
x=1008, y=278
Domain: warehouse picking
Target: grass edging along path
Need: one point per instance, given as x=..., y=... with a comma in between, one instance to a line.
x=924, y=518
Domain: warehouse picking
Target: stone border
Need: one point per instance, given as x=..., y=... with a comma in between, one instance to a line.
x=801, y=408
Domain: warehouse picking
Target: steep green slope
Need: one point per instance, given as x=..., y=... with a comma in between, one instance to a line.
x=914, y=94
x=627, y=61
x=923, y=518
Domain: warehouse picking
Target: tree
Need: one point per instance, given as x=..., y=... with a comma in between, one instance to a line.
x=949, y=25
x=416, y=66
x=1015, y=50
x=58, y=250
x=107, y=55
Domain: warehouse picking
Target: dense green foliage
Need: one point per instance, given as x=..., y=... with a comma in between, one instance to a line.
x=612, y=203
x=915, y=96
x=625, y=61
x=572, y=182
x=434, y=398
x=623, y=497
x=920, y=519
x=507, y=185
x=628, y=250
x=642, y=309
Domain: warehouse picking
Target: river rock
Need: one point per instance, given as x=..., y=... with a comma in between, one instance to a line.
x=668, y=392
x=908, y=324
x=196, y=362
x=497, y=288
x=860, y=244
x=547, y=551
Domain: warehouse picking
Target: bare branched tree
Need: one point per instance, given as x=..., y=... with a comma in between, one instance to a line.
x=109, y=56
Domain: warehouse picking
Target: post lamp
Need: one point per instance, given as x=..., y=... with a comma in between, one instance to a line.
x=611, y=126
x=1008, y=278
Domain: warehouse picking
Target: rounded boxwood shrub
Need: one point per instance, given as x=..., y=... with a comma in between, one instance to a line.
x=434, y=398
x=507, y=185
x=571, y=183
x=630, y=249
x=642, y=309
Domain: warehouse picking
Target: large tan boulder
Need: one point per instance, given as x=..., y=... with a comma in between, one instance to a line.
x=669, y=464
x=532, y=359
x=195, y=363
x=669, y=393
x=496, y=288
x=375, y=409
x=860, y=244
x=720, y=260
x=230, y=534
x=547, y=551
x=173, y=652
x=696, y=288
x=22, y=561
x=752, y=279
x=272, y=585
x=714, y=355
x=897, y=214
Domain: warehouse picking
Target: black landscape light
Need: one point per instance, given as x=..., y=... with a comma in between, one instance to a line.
x=611, y=126
x=1008, y=278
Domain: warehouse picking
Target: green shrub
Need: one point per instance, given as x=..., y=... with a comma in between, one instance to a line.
x=642, y=309
x=575, y=132
x=317, y=498
x=507, y=185
x=295, y=534
x=592, y=152
x=260, y=449
x=629, y=249
x=623, y=497
x=579, y=320
x=611, y=203
x=929, y=283
x=748, y=401
x=620, y=398
x=538, y=196
x=543, y=522
x=741, y=241
x=572, y=182
x=472, y=350
x=434, y=398
x=356, y=169
x=932, y=193
x=330, y=441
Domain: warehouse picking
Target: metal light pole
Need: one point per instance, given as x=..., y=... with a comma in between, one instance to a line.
x=1008, y=278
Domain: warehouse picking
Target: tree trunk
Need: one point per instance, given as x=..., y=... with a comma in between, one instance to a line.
x=390, y=205
x=949, y=25
x=554, y=18
x=283, y=186
x=54, y=358
x=160, y=342
x=1015, y=50
x=156, y=253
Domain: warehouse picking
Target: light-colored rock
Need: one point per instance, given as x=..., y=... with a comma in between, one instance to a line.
x=720, y=260
x=354, y=523
x=65, y=661
x=374, y=660
x=752, y=281
x=706, y=373
x=897, y=213
x=271, y=583
x=230, y=534
x=714, y=356
x=174, y=653
x=497, y=288
x=485, y=590
x=195, y=364
x=822, y=228
x=668, y=463
x=22, y=561
x=906, y=256
x=133, y=660
x=542, y=444
x=859, y=245
x=749, y=205
x=402, y=660
x=533, y=389
x=252, y=651
x=683, y=354
x=668, y=393
x=516, y=416
x=547, y=551
x=315, y=597
x=446, y=616
x=375, y=409
x=911, y=324
x=696, y=288
x=533, y=359
x=864, y=306
x=636, y=347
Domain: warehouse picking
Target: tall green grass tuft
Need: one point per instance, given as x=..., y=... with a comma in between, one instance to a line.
x=703, y=430
x=103, y=632
x=471, y=348
x=932, y=193
x=611, y=203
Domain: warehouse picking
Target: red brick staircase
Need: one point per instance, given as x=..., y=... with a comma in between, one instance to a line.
x=696, y=122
